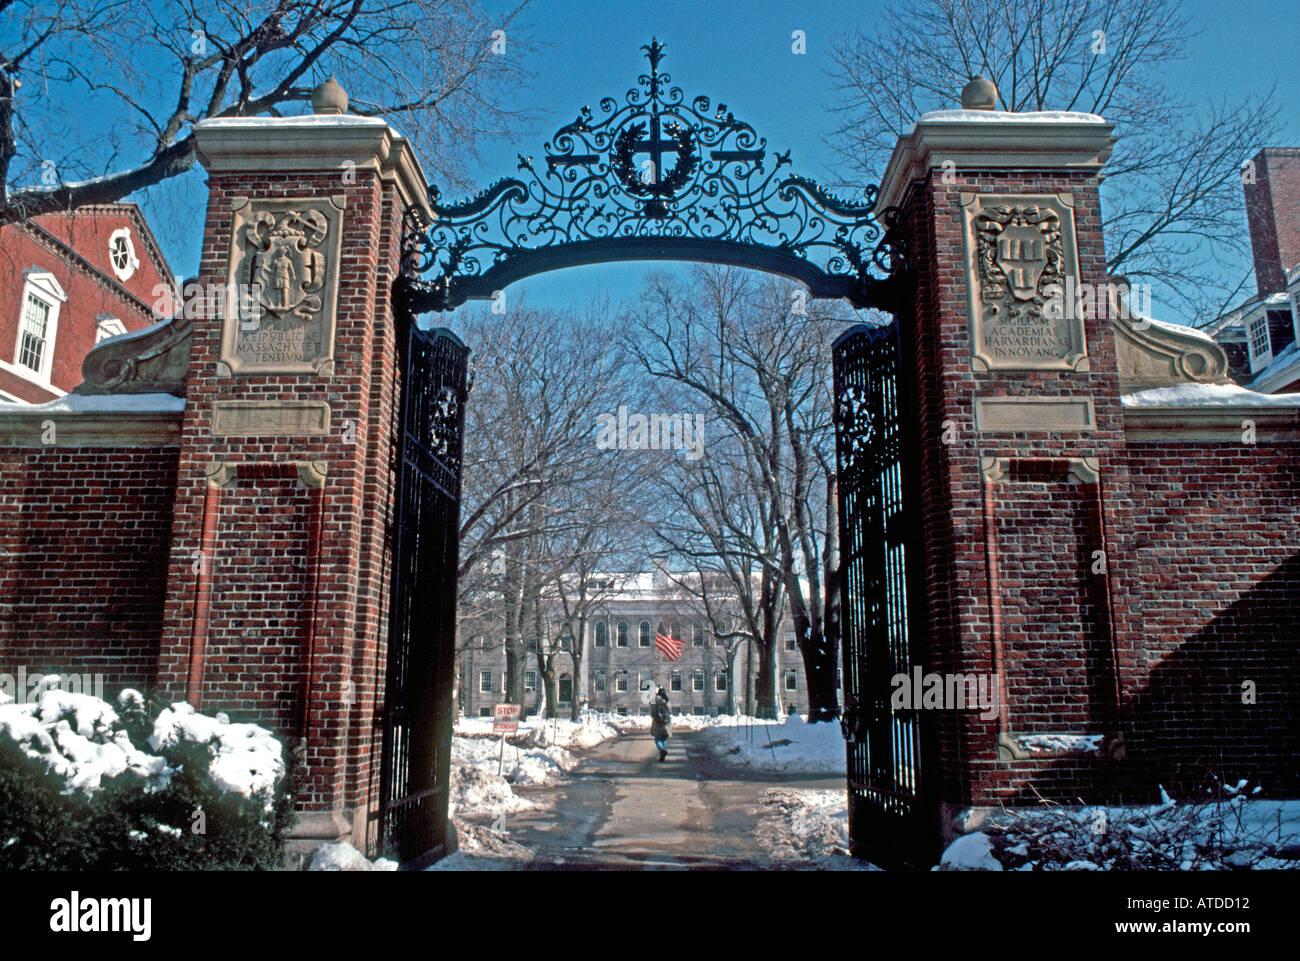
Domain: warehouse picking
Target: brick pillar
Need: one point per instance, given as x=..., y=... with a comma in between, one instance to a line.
x=276, y=599
x=1021, y=434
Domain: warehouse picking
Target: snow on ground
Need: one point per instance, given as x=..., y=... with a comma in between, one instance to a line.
x=1234, y=831
x=790, y=746
x=811, y=827
x=344, y=857
x=541, y=752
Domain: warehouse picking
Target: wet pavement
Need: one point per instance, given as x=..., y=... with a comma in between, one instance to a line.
x=620, y=808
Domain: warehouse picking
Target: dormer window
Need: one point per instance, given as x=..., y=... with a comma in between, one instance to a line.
x=106, y=327
x=121, y=253
x=1257, y=342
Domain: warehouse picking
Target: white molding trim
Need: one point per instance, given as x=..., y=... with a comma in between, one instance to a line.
x=44, y=287
x=1210, y=424
x=985, y=139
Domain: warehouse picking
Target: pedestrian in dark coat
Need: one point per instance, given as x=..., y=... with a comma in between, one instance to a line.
x=660, y=715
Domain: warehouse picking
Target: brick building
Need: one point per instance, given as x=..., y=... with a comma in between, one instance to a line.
x=67, y=282
x=621, y=663
x=1262, y=336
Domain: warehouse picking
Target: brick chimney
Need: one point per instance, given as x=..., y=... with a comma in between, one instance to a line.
x=1272, y=183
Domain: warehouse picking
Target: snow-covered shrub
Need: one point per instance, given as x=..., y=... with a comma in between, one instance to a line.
x=141, y=787
x=1231, y=829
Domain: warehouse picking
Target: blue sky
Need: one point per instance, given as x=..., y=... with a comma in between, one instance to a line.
x=739, y=53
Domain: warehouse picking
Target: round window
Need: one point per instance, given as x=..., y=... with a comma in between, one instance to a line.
x=121, y=254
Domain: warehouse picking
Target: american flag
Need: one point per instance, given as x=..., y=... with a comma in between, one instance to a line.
x=670, y=647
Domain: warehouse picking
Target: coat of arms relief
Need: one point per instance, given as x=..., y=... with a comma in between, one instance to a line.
x=1021, y=250
x=283, y=286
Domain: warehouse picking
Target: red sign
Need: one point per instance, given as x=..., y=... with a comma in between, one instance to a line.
x=505, y=719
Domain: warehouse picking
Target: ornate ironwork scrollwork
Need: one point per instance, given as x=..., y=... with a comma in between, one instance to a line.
x=655, y=176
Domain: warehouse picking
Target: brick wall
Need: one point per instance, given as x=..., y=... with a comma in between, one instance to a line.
x=84, y=537
x=1212, y=573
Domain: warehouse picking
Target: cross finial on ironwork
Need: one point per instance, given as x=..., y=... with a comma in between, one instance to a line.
x=654, y=52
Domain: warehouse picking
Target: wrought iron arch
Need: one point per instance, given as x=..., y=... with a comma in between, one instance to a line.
x=653, y=177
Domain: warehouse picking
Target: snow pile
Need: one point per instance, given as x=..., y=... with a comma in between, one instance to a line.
x=246, y=758
x=971, y=852
x=522, y=765
x=540, y=731
x=80, y=740
x=480, y=790
x=810, y=827
x=1075, y=743
x=792, y=746
x=1230, y=832
x=344, y=857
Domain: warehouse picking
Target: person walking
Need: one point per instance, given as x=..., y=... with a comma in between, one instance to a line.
x=660, y=714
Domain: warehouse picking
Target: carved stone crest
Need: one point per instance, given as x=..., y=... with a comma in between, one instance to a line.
x=283, y=286
x=1020, y=250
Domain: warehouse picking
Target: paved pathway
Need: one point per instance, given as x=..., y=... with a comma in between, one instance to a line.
x=621, y=808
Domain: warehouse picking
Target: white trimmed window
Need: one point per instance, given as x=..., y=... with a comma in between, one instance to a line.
x=106, y=327
x=720, y=682
x=600, y=682
x=530, y=680
x=121, y=253
x=485, y=682
x=697, y=680
x=38, y=324
x=791, y=681
x=675, y=681
x=620, y=682
x=1257, y=342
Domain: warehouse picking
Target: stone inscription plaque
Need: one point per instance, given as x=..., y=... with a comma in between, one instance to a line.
x=282, y=288
x=1021, y=261
x=269, y=417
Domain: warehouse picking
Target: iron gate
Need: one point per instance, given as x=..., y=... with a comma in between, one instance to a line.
x=415, y=765
x=890, y=819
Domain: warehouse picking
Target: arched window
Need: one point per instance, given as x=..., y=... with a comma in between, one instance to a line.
x=697, y=632
x=622, y=633
x=676, y=635
x=644, y=639
x=600, y=632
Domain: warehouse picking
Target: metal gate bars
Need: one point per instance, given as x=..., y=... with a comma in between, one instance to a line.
x=890, y=820
x=417, y=721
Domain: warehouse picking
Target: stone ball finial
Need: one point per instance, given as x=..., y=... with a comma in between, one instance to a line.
x=980, y=93
x=329, y=97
